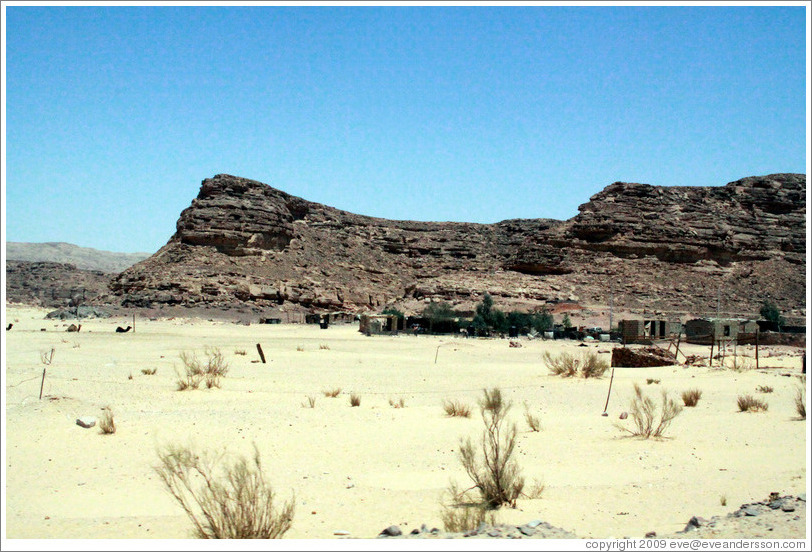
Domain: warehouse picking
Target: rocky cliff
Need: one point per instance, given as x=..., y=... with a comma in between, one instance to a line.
x=687, y=249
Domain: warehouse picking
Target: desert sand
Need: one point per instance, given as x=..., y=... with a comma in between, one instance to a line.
x=357, y=470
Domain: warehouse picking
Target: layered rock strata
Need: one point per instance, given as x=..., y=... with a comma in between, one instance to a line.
x=242, y=242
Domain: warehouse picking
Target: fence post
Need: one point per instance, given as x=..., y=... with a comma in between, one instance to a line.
x=261, y=354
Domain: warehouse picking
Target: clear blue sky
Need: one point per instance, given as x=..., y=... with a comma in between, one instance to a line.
x=114, y=115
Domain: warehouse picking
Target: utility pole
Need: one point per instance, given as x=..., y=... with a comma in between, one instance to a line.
x=611, y=304
x=718, y=301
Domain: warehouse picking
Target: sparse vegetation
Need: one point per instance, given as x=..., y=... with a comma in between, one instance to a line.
x=535, y=491
x=460, y=518
x=107, y=426
x=769, y=312
x=332, y=393
x=723, y=500
x=800, y=398
x=400, y=403
x=130, y=376
x=691, y=397
x=223, y=501
x=748, y=403
x=311, y=402
x=764, y=389
x=650, y=421
x=497, y=475
x=300, y=348
x=532, y=421
x=590, y=365
x=652, y=380
x=324, y=347
x=355, y=400
x=456, y=409
x=240, y=352
x=492, y=399
x=195, y=371
x=149, y=371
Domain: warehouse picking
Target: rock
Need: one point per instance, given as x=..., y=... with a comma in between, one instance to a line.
x=243, y=242
x=525, y=530
x=86, y=421
x=651, y=534
x=533, y=524
x=341, y=533
x=392, y=531
x=415, y=531
x=751, y=511
x=623, y=415
x=494, y=533
x=787, y=506
x=642, y=357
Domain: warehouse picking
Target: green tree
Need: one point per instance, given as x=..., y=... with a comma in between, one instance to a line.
x=393, y=310
x=770, y=313
x=543, y=320
x=566, y=321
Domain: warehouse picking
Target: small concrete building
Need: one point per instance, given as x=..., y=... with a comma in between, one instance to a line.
x=633, y=331
x=706, y=330
x=372, y=324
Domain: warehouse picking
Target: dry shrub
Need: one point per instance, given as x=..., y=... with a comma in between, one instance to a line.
x=355, y=400
x=324, y=347
x=195, y=371
x=650, y=421
x=333, y=393
x=532, y=421
x=400, y=403
x=240, y=352
x=456, y=409
x=149, y=371
x=691, y=397
x=311, y=402
x=748, y=403
x=764, y=389
x=535, y=491
x=652, y=380
x=461, y=518
x=300, y=348
x=496, y=475
x=223, y=501
x=800, y=398
x=564, y=364
x=107, y=426
x=567, y=365
x=492, y=399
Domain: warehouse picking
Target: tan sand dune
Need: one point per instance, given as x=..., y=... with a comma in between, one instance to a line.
x=362, y=469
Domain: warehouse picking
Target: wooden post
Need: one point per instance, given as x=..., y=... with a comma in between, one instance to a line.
x=42, y=385
x=611, y=379
x=133, y=322
x=756, y=349
x=710, y=361
x=437, y=353
x=679, y=337
x=261, y=354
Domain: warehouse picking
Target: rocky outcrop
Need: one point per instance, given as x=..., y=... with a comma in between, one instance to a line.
x=243, y=242
x=53, y=284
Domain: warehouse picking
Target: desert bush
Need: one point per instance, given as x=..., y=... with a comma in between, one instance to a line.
x=333, y=393
x=535, y=491
x=567, y=365
x=240, y=352
x=650, y=421
x=748, y=403
x=800, y=398
x=311, y=402
x=497, y=475
x=324, y=347
x=107, y=426
x=223, y=501
x=195, y=371
x=564, y=364
x=456, y=409
x=300, y=348
x=355, y=400
x=764, y=389
x=691, y=397
x=532, y=421
x=130, y=376
x=400, y=403
x=652, y=380
x=492, y=399
x=149, y=371
x=461, y=518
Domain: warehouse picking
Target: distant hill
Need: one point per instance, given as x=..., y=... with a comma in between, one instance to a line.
x=85, y=258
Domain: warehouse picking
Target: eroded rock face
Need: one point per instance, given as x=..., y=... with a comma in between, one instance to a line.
x=243, y=242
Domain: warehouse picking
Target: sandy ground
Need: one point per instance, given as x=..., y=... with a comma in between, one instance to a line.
x=359, y=470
